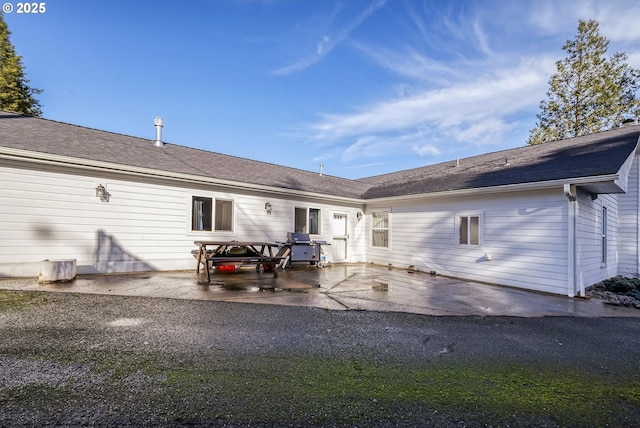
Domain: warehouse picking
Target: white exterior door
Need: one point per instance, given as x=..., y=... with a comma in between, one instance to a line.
x=339, y=238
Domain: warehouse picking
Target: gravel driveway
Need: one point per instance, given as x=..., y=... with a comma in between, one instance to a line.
x=71, y=360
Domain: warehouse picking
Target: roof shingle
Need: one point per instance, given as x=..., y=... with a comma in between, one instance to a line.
x=588, y=156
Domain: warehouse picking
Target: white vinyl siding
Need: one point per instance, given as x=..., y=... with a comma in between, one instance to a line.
x=628, y=236
x=49, y=215
x=589, y=239
x=53, y=213
x=524, y=232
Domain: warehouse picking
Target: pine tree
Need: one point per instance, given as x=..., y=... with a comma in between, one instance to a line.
x=15, y=93
x=588, y=93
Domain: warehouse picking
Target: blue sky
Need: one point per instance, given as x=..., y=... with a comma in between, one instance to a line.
x=364, y=87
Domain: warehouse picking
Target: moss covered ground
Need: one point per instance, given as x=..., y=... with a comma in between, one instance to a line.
x=287, y=390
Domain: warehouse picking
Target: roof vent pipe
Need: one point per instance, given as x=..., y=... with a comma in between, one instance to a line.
x=321, y=168
x=158, y=123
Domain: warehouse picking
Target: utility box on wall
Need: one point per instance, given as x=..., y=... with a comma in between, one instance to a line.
x=57, y=270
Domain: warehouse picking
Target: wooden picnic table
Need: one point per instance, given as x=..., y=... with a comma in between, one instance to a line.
x=221, y=253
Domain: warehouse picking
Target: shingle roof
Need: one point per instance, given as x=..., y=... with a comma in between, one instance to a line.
x=589, y=156
x=56, y=138
x=592, y=155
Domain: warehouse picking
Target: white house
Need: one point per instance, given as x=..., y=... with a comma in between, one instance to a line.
x=556, y=217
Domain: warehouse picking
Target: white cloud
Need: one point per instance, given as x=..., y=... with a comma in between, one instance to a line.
x=370, y=146
x=484, y=99
x=482, y=38
x=328, y=42
x=426, y=149
x=463, y=90
x=409, y=62
x=485, y=132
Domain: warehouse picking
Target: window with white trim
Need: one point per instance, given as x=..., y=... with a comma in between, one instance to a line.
x=380, y=229
x=206, y=219
x=469, y=230
x=307, y=220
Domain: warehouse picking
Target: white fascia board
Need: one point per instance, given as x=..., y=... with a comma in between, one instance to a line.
x=539, y=185
x=623, y=172
x=91, y=165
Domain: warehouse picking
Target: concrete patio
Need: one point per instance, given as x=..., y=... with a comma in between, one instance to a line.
x=337, y=287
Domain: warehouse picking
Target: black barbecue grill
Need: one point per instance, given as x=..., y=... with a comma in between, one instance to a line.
x=301, y=249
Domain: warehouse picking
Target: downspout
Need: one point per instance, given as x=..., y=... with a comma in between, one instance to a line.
x=572, y=208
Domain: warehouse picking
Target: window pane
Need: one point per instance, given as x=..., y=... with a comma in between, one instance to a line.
x=474, y=230
x=201, y=213
x=380, y=219
x=314, y=221
x=464, y=228
x=224, y=215
x=301, y=220
x=380, y=238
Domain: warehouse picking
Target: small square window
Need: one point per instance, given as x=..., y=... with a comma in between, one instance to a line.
x=307, y=220
x=469, y=230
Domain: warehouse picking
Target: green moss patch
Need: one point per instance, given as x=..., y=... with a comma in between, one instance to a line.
x=258, y=389
x=18, y=299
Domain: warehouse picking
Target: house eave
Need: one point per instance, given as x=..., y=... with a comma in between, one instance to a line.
x=98, y=166
x=612, y=183
x=598, y=184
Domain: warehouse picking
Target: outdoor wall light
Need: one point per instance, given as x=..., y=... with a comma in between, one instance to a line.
x=359, y=215
x=268, y=208
x=101, y=193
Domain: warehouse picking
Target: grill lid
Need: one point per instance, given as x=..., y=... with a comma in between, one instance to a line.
x=298, y=238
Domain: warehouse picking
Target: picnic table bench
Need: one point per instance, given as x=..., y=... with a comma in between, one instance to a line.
x=227, y=253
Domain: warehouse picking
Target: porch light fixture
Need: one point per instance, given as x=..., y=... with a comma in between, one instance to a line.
x=101, y=193
x=359, y=215
x=268, y=208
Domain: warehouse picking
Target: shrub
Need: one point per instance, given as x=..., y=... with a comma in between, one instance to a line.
x=622, y=285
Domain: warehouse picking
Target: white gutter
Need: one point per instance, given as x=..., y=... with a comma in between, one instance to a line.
x=92, y=165
x=572, y=214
